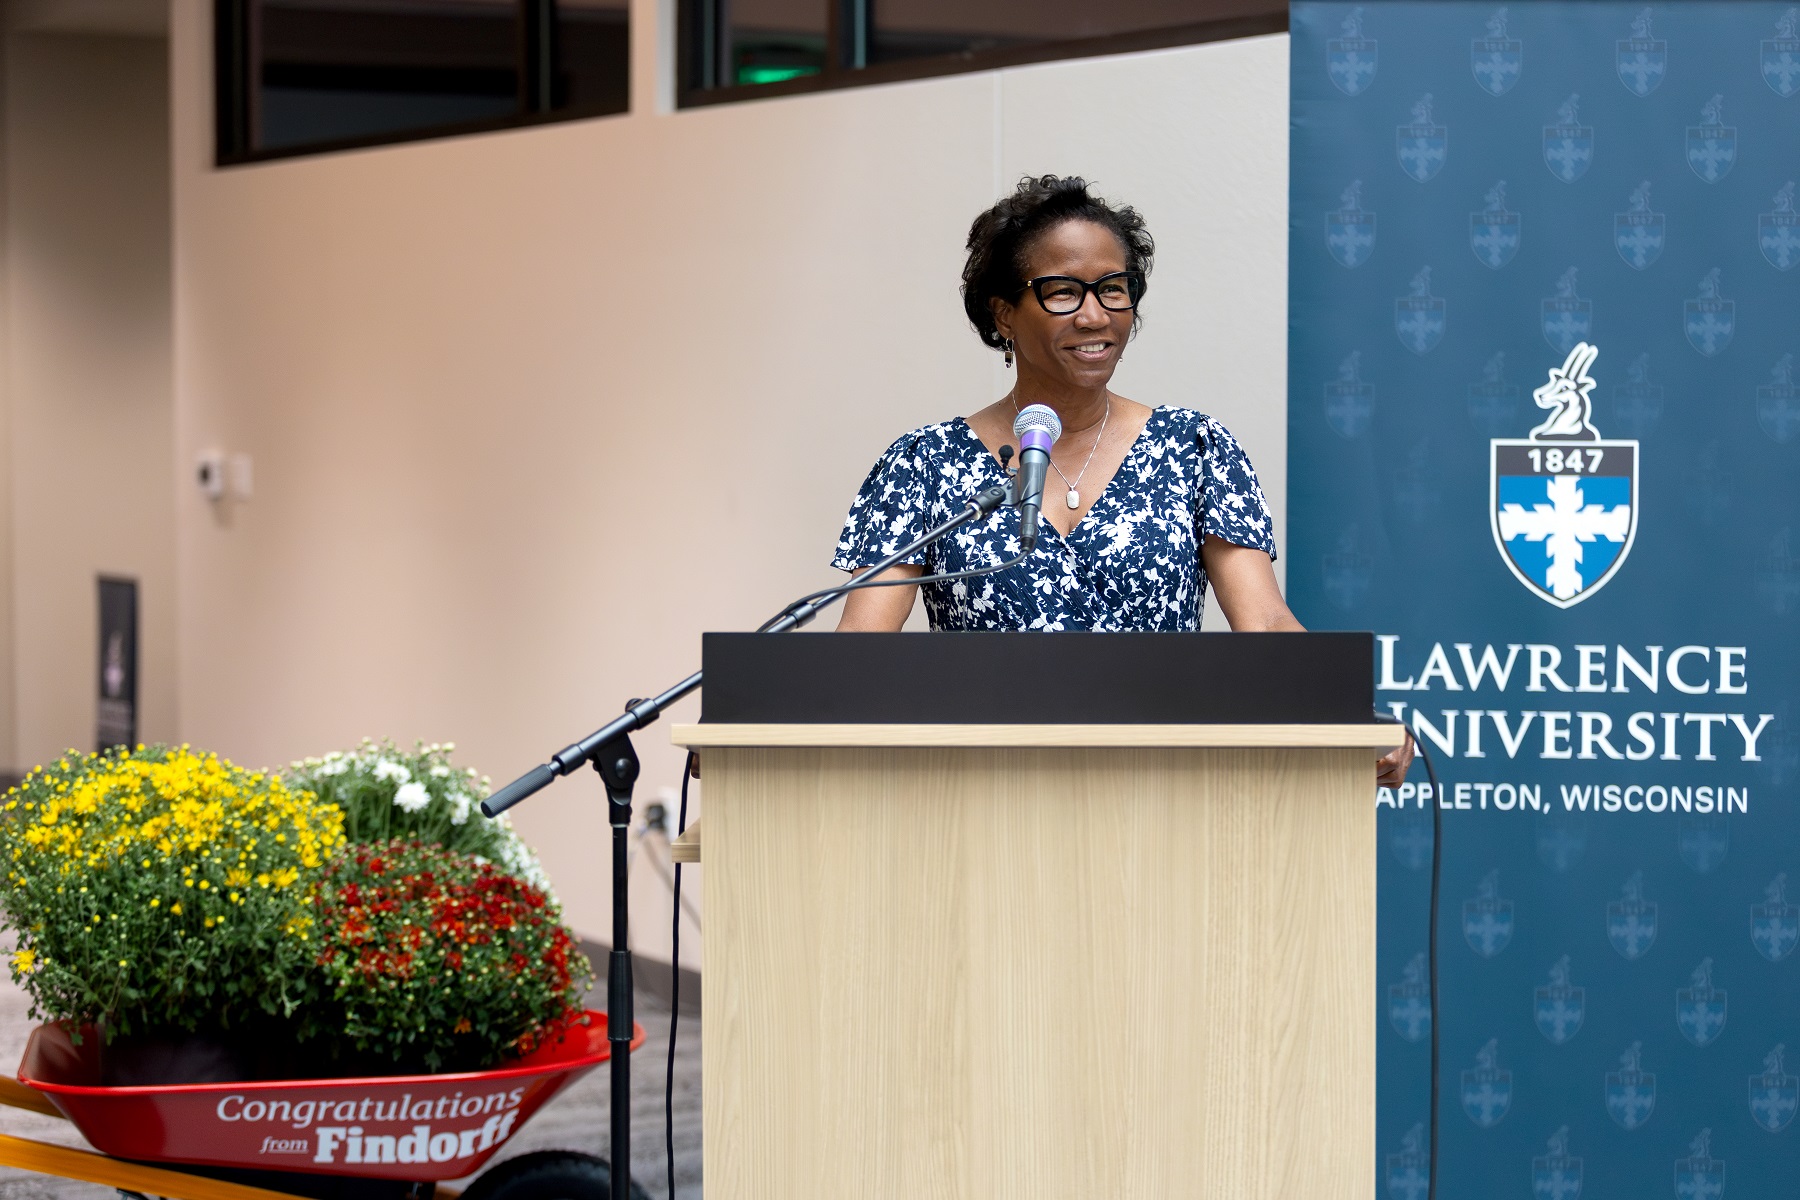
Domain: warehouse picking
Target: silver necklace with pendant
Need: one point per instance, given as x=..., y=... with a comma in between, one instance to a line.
x=1074, y=496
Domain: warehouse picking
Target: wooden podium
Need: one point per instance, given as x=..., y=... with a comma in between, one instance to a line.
x=1026, y=959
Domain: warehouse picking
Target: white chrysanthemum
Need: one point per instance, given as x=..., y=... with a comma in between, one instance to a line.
x=459, y=807
x=388, y=769
x=411, y=797
x=336, y=766
x=440, y=772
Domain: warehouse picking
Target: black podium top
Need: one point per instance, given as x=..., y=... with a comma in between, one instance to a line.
x=1034, y=678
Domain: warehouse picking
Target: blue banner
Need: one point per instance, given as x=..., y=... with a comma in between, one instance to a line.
x=1544, y=438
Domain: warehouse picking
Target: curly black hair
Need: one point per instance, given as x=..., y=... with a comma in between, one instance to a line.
x=1001, y=237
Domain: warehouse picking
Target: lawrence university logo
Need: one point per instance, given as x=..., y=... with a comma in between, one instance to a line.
x=1487, y=919
x=1568, y=144
x=1700, y=1176
x=1700, y=1007
x=1631, y=920
x=1487, y=1090
x=1709, y=318
x=1638, y=234
x=1349, y=402
x=1421, y=146
x=1350, y=231
x=1556, y=1175
x=1494, y=231
x=1496, y=59
x=1563, y=503
x=1642, y=60
x=1409, y=1172
x=1778, y=231
x=1712, y=144
x=1350, y=59
x=1774, y=1094
x=1630, y=1090
x=1409, y=1002
x=1781, y=55
x=1775, y=924
x=1557, y=1006
x=1419, y=316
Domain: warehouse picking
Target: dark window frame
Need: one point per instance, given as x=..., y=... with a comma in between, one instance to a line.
x=235, y=94
x=697, y=40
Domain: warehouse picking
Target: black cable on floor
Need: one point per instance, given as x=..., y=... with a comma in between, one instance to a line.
x=687, y=773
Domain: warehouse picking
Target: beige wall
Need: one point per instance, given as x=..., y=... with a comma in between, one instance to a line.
x=532, y=410
x=87, y=380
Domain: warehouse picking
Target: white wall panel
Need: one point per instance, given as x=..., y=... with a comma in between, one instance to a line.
x=532, y=410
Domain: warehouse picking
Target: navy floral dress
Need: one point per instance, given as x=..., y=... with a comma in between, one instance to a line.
x=1132, y=563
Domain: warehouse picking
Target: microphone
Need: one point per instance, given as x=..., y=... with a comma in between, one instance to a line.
x=1037, y=429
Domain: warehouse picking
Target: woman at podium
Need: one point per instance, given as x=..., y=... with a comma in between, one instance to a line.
x=1146, y=507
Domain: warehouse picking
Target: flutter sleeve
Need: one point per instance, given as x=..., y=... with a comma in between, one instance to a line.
x=1232, y=507
x=888, y=512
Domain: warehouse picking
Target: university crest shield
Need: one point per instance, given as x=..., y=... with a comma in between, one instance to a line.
x=1638, y=402
x=1494, y=231
x=1486, y=1090
x=1700, y=1176
x=1709, y=319
x=1700, y=1008
x=1778, y=402
x=1638, y=234
x=1351, y=58
x=1409, y=1002
x=1493, y=403
x=1781, y=55
x=1556, y=1175
x=1496, y=60
x=1712, y=144
x=1631, y=920
x=1775, y=924
x=1349, y=401
x=1567, y=317
x=1422, y=146
x=1350, y=231
x=1408, y=1173
x=1558, y=1006
x=1778, y=230
x=1487, y=920
x=1641, y=59
x=1774, y=1094
x=1630, y=1090
x=1568, y=144
x=1420, y=318
x=1563, y=501
x=1703, y=840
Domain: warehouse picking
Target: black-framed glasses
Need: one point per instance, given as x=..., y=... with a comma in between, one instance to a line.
x=1063, y=294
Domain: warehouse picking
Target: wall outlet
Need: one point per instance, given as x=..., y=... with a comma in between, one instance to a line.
x=209, y=473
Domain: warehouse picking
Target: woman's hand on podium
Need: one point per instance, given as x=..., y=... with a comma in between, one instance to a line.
x=1391, y=768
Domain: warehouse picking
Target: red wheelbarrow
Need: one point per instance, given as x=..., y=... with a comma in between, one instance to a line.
x=381, y=1138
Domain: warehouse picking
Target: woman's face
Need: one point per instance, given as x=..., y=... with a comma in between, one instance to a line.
x=1079, y=349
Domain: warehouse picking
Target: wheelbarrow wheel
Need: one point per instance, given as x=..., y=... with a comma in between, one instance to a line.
x=549, y=1175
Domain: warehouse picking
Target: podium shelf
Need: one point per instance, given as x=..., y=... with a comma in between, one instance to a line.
x=1373, y=736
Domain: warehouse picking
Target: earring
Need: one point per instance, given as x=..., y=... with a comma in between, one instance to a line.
x=1008, y=346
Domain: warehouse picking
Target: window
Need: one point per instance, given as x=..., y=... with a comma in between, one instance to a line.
x=737, y=49
x=300, y=76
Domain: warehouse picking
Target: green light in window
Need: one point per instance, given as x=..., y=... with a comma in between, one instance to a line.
x=772, y=74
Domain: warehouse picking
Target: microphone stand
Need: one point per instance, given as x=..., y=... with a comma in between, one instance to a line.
x=610, y=751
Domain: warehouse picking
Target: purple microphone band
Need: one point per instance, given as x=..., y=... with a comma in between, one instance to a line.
x=1036, y=439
